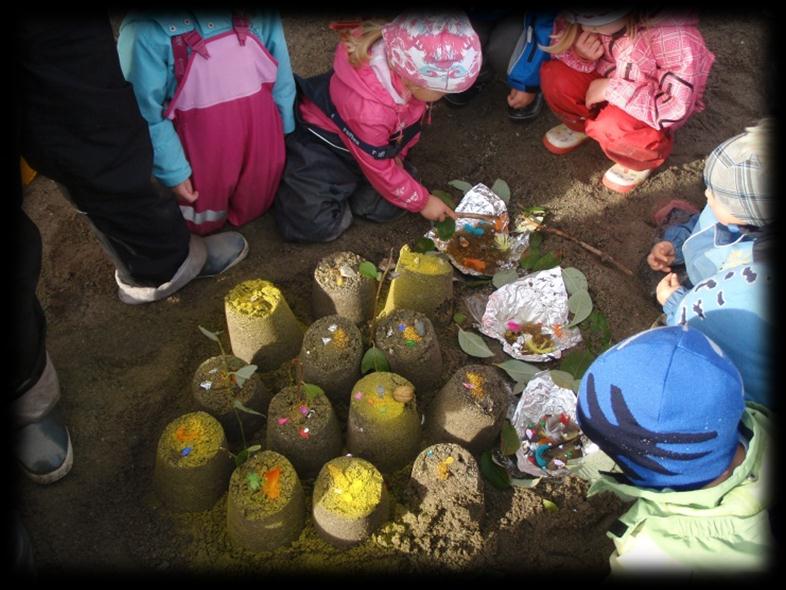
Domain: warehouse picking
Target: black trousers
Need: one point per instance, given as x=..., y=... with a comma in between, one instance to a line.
x=322, y=187
x=78, y=123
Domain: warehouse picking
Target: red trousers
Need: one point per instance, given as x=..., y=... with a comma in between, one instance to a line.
x=623, y=138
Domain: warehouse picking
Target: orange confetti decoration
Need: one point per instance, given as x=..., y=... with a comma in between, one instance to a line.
x=272, y=487
x=475, y=263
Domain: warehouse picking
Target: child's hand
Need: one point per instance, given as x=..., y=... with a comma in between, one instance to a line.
x=185, y=191
x=518, y=99
x=666, y=287
x=437, y=210
x=588, y=46
x=596, y=92
x=661, y=256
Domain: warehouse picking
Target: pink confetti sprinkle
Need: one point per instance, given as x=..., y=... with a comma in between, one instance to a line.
x=513, y=326
x=303, y=432
x=303, y=410
x=468, y=385
x=358, y=395
x=282, y=421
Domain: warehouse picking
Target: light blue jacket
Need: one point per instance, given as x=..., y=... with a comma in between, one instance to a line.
x=730, y=297
x=144, y=46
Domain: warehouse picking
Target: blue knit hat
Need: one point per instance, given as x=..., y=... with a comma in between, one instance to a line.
x=665, y=404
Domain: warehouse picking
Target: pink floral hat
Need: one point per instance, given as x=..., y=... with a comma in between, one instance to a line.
x=438, y=52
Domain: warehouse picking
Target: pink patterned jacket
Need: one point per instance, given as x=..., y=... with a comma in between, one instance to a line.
x=658, y=76
x=371, y=111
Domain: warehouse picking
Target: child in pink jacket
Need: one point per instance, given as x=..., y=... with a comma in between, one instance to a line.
x=627, y=82
x=357, y=122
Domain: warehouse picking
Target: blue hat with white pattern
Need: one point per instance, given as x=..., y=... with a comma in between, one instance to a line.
x=665, y=404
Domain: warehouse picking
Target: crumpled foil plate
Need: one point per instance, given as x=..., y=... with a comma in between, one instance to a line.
x=538, y=297
x=542, y=396
x=481, y=199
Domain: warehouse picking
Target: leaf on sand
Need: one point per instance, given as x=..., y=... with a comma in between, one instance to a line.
x=574, y=279
x=243, y=408
x=311, y=391
x=473, y=344
x=493, y=473
x=509, y=439
x=368, y=269
x=518, y=370
x=580, y=304
x=501, y=189
x=462, y=185
x=504, y=277
x=374, y=360
x=549, y=505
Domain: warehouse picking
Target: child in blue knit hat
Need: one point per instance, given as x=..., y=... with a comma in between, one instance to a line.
x=726, y=250
x=667, y=406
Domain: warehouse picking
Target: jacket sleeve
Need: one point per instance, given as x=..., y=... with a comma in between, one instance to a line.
x=389, y=178
x=668, y=98
x=677, y=234
x=528, y=55
x=146, y=60
x=271, y=33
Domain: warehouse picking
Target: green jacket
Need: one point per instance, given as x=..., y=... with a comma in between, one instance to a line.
x=723, y=528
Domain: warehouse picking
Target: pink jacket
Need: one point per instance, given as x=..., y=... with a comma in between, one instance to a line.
x=659, y=76
x=373, y=115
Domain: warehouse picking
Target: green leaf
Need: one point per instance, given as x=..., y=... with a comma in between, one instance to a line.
x=243, y=408
x=576, y=362
x=374, y=360
x=548, y=260
x=241, y=457
x=504, y=277
x=424, y=244
x=311, y=391
x=524, y=483
x=462, y=185
x=459, y=317
x=564, y=380
x=599, y=330
x=549, y=505
x=212, y=335
x=519, y=371
x=446, y=198
x=580, y=304
x=575, y=280
x=535, y=241
x=501, y=189
x=473, y=344
x=368, y=269
x=446, y=228
x=519, y=387
x=493, y=473
x=243, y=374
x=254, y=448
x=253, y=481
x=509, y=439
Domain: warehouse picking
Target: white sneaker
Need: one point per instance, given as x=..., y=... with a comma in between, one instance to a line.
x=562, y=139
x=623, y=180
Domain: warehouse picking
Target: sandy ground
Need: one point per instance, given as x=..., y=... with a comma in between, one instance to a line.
x=125, y=370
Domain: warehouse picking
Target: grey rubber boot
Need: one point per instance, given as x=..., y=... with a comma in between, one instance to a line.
x=207, y=257
x=41, y=441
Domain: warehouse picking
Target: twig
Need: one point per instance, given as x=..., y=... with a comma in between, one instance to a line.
x=603, y=256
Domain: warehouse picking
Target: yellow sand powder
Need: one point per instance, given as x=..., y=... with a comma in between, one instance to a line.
x=372, y=397
x=193, y=439
x=476, y=381
x=350, y=487
x=255, y=297
x=420, y=263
